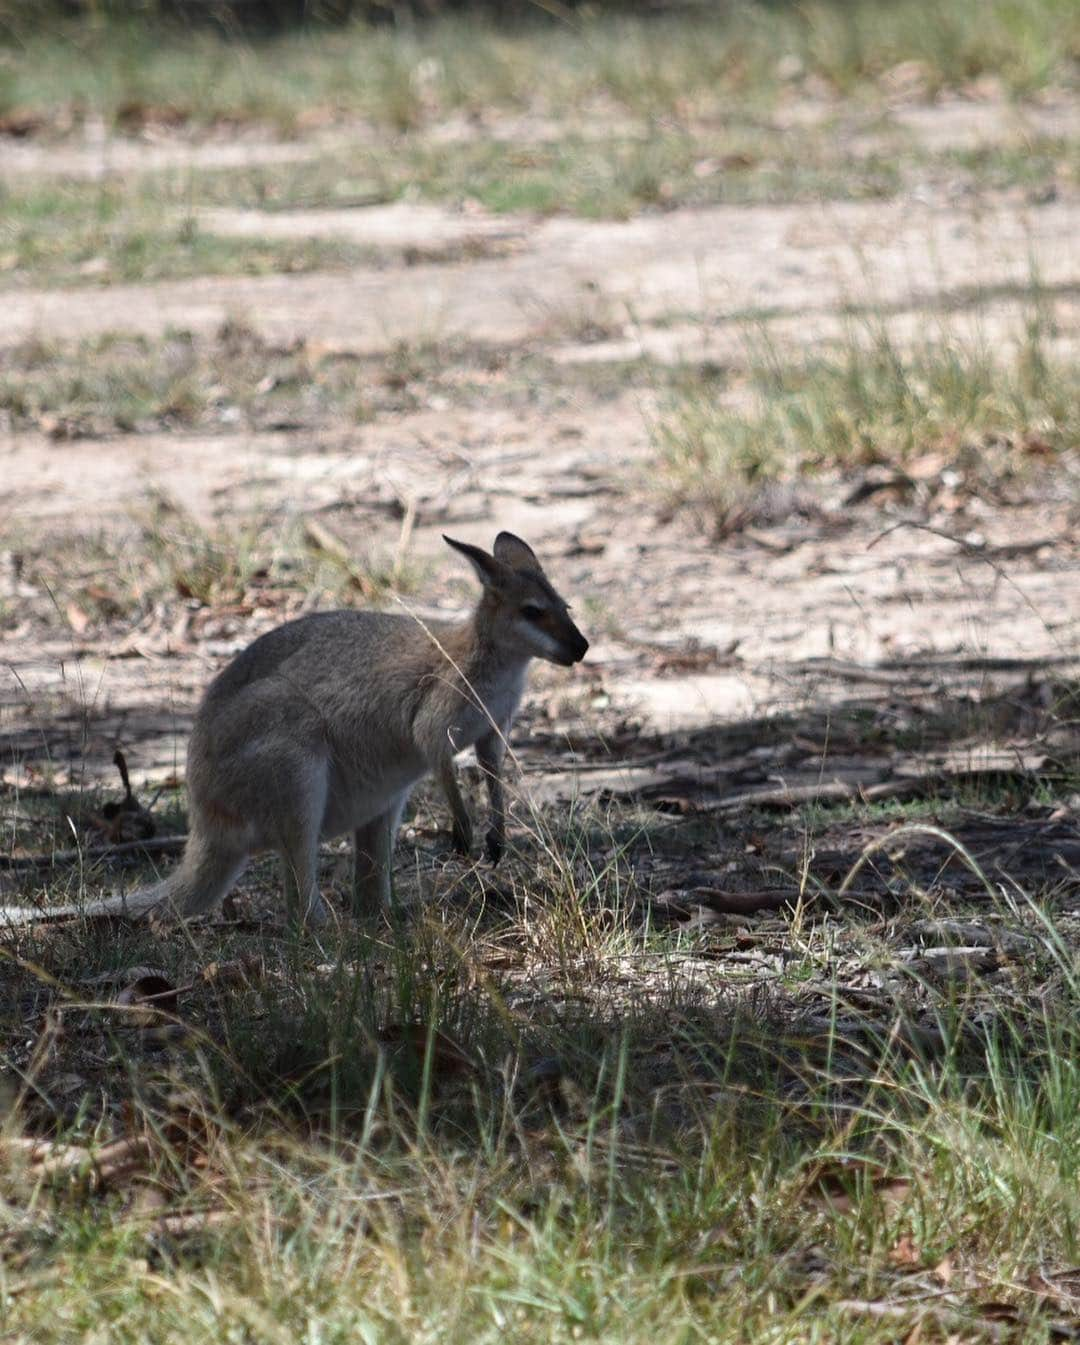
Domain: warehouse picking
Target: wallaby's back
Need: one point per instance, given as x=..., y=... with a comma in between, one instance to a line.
x=336, y=688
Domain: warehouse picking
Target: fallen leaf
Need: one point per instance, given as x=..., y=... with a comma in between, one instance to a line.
x=904, y=1253
x=183, y=1225
x=152, y=991
x=120, y=976
x=242, y=971
x=1056, y=1328
x=831, y=1185
x=126, y=820
x=1063, y=1286
x=78, y=620
x=447, y=1056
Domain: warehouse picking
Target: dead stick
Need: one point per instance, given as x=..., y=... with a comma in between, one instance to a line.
x=176, y=1225
x=742, y=903
x=155, y=845
x=830, y=791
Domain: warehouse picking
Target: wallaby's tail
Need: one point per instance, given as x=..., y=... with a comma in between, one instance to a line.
x=199, y=881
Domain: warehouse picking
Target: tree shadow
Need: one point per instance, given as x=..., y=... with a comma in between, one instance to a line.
x=736, y=1005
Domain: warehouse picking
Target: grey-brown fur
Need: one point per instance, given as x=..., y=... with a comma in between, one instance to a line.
x=324, y=725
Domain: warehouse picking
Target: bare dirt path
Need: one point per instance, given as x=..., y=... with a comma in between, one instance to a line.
x=687, y=631
x=952, y=122
x=563, y=274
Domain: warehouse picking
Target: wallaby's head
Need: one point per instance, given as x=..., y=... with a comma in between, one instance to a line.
x=520, y=608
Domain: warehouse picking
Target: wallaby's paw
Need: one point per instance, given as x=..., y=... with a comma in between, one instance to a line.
x=369, y=896
x=495, y=845
x=462, y=839
x=316, y=916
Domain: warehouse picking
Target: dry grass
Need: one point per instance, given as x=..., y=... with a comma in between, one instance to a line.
x=694, y=65
x=596, y=1128
x=120, y=383
x=993, y=416
x=568, y=1098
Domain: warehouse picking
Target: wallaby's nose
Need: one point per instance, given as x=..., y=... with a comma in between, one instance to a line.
x=581, y=647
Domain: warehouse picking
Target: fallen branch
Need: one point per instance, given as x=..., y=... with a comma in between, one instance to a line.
x=743, y=903
x=680, y=899
x=894, y=676
x=178, y=1225
x=155, y=845
x=826, y=791
x=977, y=547
x=101, y=1166
x=840, y=791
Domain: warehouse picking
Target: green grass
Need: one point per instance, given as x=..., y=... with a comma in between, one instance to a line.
x=82, y=233
x=526, y=1106
x=645, y=1146
x=992, y=414
x=615, y=177
x=119, y=383
x=690, y=65
x=146, y=227
x=593, y=177
x=768, y=1128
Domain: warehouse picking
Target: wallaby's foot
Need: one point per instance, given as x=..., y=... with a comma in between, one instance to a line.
x=495, y=844
x=307, y=919
x=462, y=836
x=369, y=894
x=316, y=916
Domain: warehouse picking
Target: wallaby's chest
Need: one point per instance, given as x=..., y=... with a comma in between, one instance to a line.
x=490, y=703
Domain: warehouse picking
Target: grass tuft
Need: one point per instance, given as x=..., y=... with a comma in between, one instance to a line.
x=990, y=411
x=113, y=231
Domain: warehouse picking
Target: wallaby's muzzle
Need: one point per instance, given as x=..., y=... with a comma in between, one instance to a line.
x=575, y=647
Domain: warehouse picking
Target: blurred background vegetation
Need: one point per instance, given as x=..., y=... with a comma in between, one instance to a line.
x=403, y=63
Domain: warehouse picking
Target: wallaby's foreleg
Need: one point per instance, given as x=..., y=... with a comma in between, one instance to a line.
x=490, y=751
x=373, y=859
x=460, y=814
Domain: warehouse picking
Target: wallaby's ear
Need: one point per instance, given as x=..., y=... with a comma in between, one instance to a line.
x=488, y=570
x=514, y=552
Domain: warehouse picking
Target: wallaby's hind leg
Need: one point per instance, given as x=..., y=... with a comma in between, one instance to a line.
x=373, y=859
x=490, y=751
x=300, y=873
x=299, y=822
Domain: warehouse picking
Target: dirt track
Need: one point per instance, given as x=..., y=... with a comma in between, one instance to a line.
x=570, y=472
x=722, y=266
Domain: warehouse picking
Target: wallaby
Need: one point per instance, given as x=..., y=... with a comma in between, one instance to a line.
x=325, y=725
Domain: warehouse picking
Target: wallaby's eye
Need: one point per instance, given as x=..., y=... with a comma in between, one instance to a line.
x=531, y=611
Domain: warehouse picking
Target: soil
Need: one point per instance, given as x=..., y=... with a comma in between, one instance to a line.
x=817, y=604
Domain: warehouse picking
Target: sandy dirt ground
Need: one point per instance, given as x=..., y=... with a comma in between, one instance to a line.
x=810, y=606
